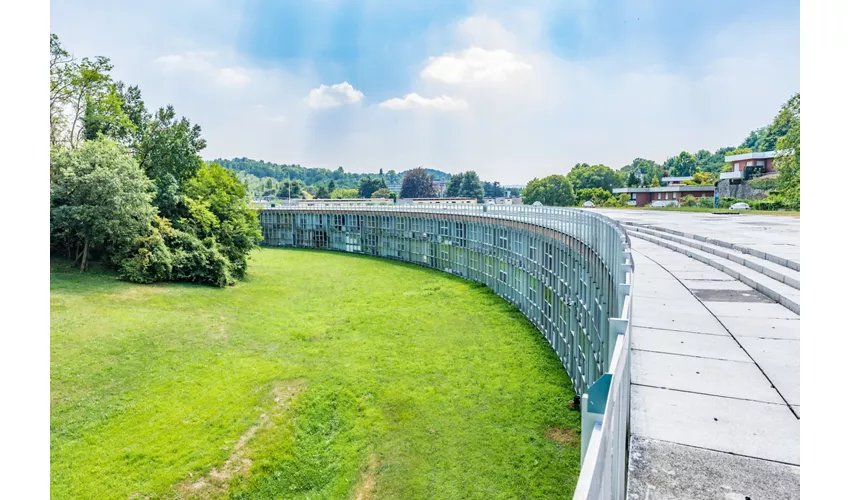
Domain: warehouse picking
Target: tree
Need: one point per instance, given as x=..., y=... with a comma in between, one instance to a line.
x=417, y=184
x=632, y=180
x=465, y=185
x=655, y=182
x=493, y=189
x=74, y=86
x=369, y=185
x=583, y=176
x=453, y=186
x=788, y=163
x=322, y=193
x=343, y=193
x=381, y=193
x=331, y=186
x=683, y=165
x=100, y=200
x=289, y=189
x=555, y=190
x=168, y=153
x=216, y=206
x=597, y=195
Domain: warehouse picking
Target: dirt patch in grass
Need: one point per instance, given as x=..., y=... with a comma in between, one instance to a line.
x=562, y=435
x=366, y=487
x=215, y=484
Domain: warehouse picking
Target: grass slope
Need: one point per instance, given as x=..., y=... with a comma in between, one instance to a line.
x=322, y=375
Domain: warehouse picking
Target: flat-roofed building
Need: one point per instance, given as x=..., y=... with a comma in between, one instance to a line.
x=759, y=161
x=667, y=195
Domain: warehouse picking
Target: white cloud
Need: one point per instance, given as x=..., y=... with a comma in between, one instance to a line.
x=191, y=60
x=474, y=65
x=414, y=100
x=232, y=77
x=333, y=96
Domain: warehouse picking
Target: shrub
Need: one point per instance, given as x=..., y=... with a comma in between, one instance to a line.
x=688, y=201
x=705, y=202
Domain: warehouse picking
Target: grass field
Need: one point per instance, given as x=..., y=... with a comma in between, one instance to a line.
x=322, y=375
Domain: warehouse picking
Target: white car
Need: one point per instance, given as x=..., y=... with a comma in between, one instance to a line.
x=740, y=206
x=588, y=204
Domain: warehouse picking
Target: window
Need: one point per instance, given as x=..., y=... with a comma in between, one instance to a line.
x=503, y=272
x=737, y=166
x=674, y=196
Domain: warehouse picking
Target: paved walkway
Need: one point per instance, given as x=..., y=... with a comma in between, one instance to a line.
x=715, y=378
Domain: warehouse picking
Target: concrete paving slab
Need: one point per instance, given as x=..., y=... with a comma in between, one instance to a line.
x=660, y=470
x=686, y=343
x=760, y=327
x=714, y=285
x=748, y=428
x=708, y=273
x=780, y=360
x=718, y=377
x=686, y=316
x=731, y=296
x=751, y=310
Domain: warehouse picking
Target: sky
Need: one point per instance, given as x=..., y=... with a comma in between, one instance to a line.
x=512, y=90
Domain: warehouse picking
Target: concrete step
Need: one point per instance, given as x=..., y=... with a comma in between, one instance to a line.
x=771, y=269
x=778, y=291
x=790, y=264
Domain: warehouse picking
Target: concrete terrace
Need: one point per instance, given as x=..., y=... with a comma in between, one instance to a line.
x=715, y=363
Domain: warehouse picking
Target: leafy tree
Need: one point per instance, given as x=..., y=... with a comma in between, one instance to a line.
x=74, y=86
x=331, y=186
x=788, y=117
x=493, y=189
x=655, y=182
x=583, y=176
x=632, y=180
x=596, y=195
x=217, y=207
x=683, y=165
x=417, y=183
x=323, y=193
x=289, y=189
x=168, y=153
x=789, y=164
x=465, y=185
x=554, y=190
x=381, y=193
x=369, y=185
x=343, y=193
x=100, y=200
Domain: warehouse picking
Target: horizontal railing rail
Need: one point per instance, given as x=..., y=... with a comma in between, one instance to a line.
x=569, y=271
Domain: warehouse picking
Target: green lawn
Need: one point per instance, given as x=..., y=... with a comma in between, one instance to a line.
x=322, y=375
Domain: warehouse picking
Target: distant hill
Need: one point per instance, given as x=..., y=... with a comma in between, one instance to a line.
x=312, y=176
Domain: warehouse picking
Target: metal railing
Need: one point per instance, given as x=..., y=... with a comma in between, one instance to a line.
x=569, y=271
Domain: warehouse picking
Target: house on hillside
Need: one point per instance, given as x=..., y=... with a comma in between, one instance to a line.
x=745, y=164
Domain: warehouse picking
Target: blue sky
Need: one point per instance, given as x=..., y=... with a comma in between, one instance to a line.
x=512, y=92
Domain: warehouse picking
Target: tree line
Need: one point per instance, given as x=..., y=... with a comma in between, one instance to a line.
x=128, y=187
x=596, y=182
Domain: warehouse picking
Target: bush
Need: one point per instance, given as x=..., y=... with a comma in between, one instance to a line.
x=688, y=201
x=764, y=184
x=705, y=202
